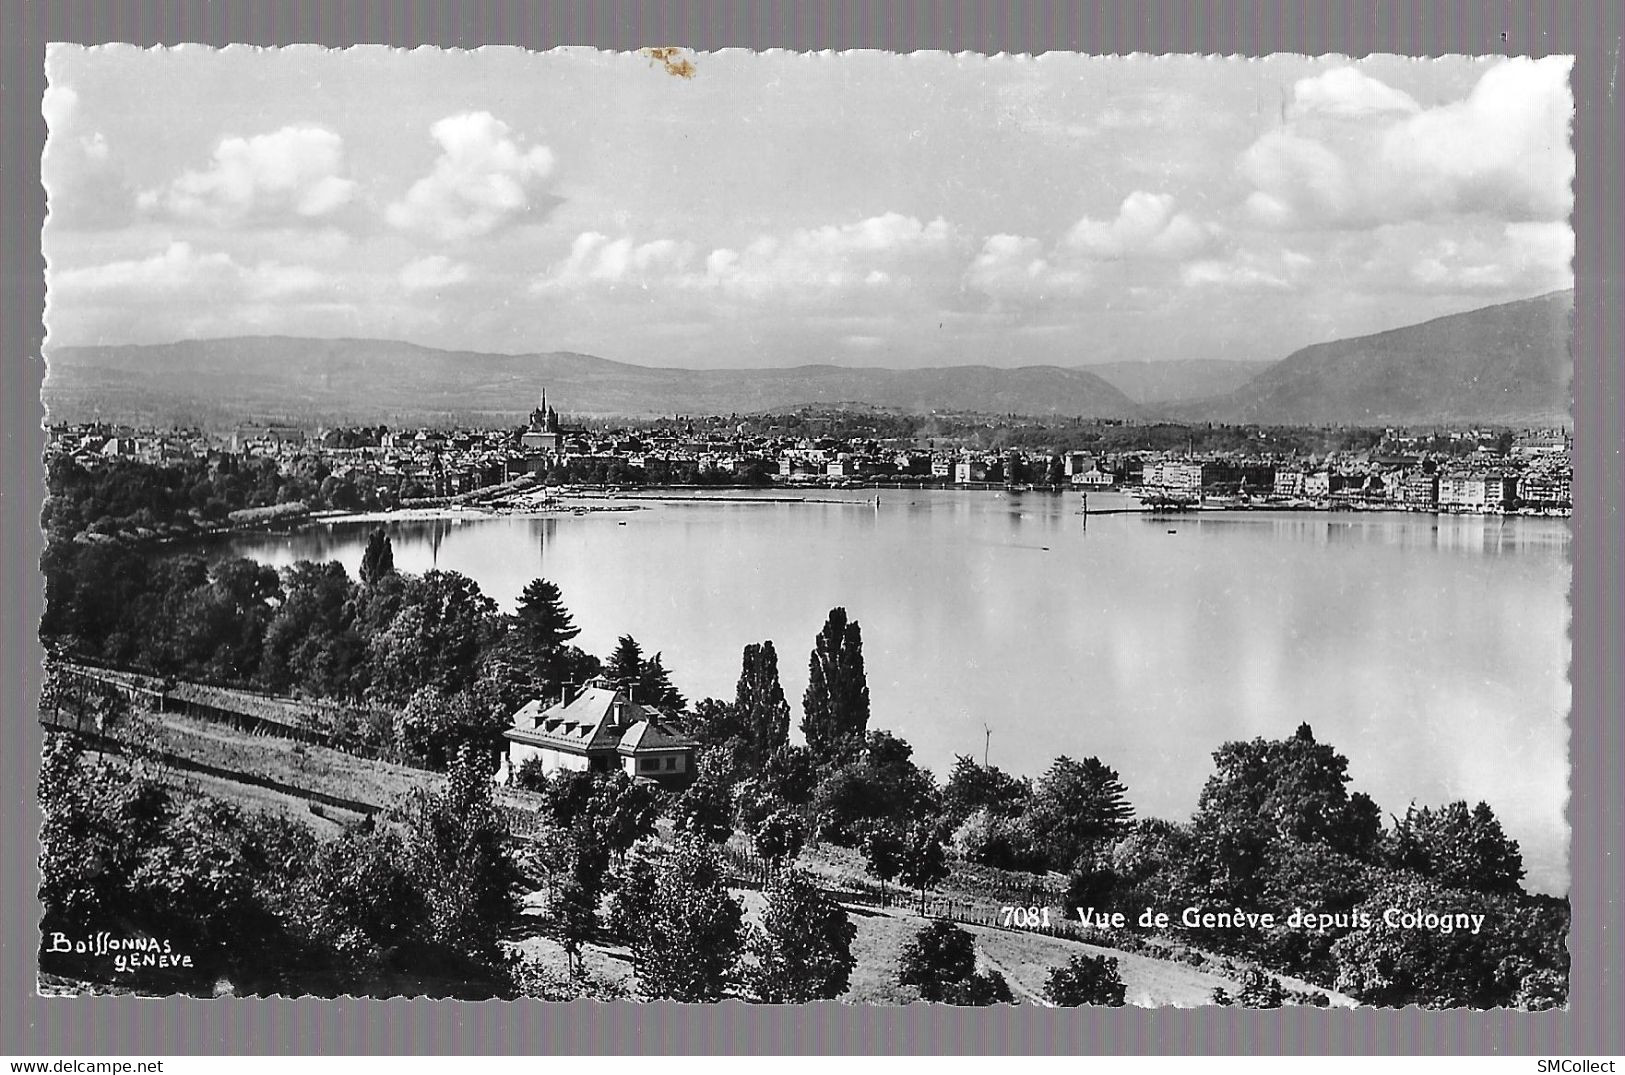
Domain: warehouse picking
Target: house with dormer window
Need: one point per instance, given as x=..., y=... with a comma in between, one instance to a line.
x=600, y=729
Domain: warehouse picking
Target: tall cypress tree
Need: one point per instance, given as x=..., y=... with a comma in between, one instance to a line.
x=835, y=709
x=759, y=705
x=379, y=559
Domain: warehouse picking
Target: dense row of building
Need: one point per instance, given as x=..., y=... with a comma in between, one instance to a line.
x=1487, y=471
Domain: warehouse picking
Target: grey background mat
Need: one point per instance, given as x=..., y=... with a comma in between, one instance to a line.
x=1591, y=31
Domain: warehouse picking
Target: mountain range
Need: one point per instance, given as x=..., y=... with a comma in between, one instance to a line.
x=1506, y=363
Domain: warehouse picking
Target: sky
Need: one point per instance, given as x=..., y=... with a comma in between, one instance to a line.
x=775, y=209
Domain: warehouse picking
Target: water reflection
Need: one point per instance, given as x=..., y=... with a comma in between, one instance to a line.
x=1430, y=650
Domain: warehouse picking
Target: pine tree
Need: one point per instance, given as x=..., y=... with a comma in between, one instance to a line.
x=654, y=686
x=1078, y=808
x=624, y=668
x=836, y=705
x=543, y=619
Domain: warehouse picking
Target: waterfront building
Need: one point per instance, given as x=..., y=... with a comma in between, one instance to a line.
x=1419, y=490
x=1175, y=477
x=1477, y=492
x=1546, y=490
x=1287, y=482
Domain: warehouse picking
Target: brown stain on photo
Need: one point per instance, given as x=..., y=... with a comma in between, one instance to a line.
x=673, y=59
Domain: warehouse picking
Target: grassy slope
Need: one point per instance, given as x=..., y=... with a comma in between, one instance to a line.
x=1025, y=959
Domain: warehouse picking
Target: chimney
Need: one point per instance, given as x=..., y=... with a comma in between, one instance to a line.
x=620, y=713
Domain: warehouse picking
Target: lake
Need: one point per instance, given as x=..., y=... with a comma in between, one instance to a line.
x=1431, y=650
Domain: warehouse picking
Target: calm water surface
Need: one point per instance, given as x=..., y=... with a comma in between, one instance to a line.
x=1432, y=651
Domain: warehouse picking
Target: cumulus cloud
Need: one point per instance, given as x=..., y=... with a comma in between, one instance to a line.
x=180, y=270
x=1356, y=153
x=873, y=252
x=1146, y=225
x=85, y=187
x=1345, y=91
x=433, y=273
x=596, y=259
x=484, y=177
x=1013, y=268
x=1525, y=257
x=1503, y=151
x=867, y=255
x=1233, y=272
x=292, y=173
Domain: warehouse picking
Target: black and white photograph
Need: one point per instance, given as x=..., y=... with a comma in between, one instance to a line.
x=773, y=526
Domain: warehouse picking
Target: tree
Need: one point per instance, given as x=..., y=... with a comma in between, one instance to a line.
x=624, y=669
x=714, y=722
x=623, y=811
x=1085, y=979
x=1390, y=964
x=981, y=988
x=686, y=947
x=545, y=626
x=836, y=705
x=803, y=949
x=379, y=559
x=761, y=711
x=704, y=810
x=791, y=773
x=570, y=795
x=883, y=851
x=881, y=784
x=972, y=787
x=940, y=956
x=1005, y=843
x=435, y=639
x=654, y=687
x=925, y=862
x=576, y=920
x=456, y=850
x=1077, y=809
x=546, y=623
x=778, y=837
x=1266, y=791
x=1457, y=847
x=437, y=727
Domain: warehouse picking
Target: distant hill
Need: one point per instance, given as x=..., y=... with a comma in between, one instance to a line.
x=275, y=378
x=1501, y=364
x=1177, y=380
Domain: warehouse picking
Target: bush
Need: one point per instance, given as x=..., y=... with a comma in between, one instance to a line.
x=1085, y=980
x=1004, y=843
x=803, y=949
x=1260, y=990
x=982, y=988
x=940, y=957
x=531, y=775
